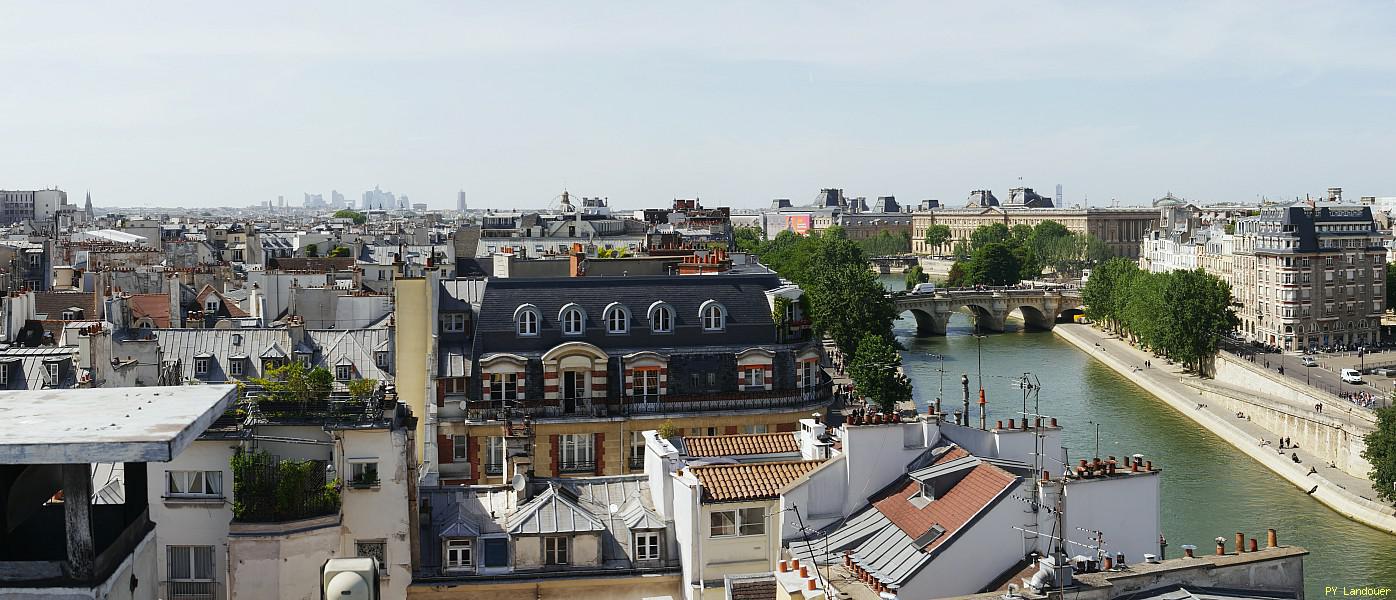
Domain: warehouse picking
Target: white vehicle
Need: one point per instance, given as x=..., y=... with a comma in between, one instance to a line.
x=1309, y=361
x=924, y=288
x=1351, y=376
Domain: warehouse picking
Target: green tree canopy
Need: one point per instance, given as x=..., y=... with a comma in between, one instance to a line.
x=312, y=251
x=936, y=236
x=295, y=381
x=875, y=374
x=354, y=215
x=984, y=235
x=886, y=243
x=916, y=275
x=1380, y=451
x=748, y=239
x=849, y=304
x=994, y=264
x=338, y=252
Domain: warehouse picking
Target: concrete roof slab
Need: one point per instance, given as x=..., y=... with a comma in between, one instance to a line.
x=145, y=424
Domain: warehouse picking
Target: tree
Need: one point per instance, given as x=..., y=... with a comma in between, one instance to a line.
x=848, y=303
x=338, y=252
x=1380, y=451
x=916, y=275
x=957, y=276
x=357, y=217
x=1104, y=295
x=984, y=235
x=312, y=251
x=875, y=372
x=994, y=264
x=961, y=250
x=361, y=389
x=296, y=381
x=886, y=243
x=748, y=239
x=936, y=236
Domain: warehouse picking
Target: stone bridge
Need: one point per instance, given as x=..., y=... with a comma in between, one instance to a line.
x=989, y=307
x=885, y=265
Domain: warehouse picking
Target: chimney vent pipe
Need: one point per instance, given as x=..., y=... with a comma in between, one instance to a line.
x=1271, y=539
x=1240, y=542
x=1252, y=546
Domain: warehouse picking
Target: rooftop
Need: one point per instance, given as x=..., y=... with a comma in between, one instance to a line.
x=148, y=424
x=759, y=481
x=741, y=445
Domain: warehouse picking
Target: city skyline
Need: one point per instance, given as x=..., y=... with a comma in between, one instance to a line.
x=737, y=105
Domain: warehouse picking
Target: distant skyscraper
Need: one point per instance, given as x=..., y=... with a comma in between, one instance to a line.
x=337, y=200
x=379, y=199
x=460, y=201
x=1059, y=195
x=402, y=202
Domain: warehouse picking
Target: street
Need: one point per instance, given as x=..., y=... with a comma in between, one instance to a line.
x=1325, y=376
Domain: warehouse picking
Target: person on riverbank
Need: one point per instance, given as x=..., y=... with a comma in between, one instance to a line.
x=1294, y=456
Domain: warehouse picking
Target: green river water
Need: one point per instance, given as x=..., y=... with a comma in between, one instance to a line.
x=1209, y=488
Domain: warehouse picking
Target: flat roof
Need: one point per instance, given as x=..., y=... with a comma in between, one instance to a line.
x=136, y=424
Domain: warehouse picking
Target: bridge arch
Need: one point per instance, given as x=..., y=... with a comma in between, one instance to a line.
x=926, y=322
x=1034, y=318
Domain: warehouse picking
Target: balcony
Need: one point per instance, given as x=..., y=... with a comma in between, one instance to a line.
x=268, y=490
x=730, y=401
x=636, y=463
x=577, y=467
x=191, y=590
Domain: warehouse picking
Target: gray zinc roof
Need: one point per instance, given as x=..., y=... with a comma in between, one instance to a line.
x=556, y=510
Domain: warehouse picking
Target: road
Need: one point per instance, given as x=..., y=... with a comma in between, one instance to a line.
x=1325, y=376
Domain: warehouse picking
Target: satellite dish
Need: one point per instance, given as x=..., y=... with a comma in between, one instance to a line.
x=464, y=405
x=614, y=508
x=519, y=482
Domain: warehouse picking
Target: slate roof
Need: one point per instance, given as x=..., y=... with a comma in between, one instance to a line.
x=743, y=296
x=28, y=368
x=739, y=445
x=556, y=510
x=755, y=481
x=329, y=347
x=50, y=305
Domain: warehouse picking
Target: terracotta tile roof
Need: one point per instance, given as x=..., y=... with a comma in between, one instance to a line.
x=756, y=481
x=951, y=510
x=954, y=453
x=154, y=306
x=737, y=445
x=225, y=305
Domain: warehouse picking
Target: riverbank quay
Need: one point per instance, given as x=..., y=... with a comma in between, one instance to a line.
x=1346, y=494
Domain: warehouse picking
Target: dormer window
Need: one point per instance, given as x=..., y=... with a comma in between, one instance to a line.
x=453, y=322
x=526, y=321
x=573, y=320
x=713, y=315
x=235, y=367
x=380, y=359
x=211, y=305
x=617, y=318
x=237, y=339
x=343, y=372
x=661, y=318
x=201, y=366
x=52, y=372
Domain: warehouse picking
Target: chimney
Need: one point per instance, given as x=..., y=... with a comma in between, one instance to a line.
x=783, y=567
x=1188, y=551
x=1221, y=546
x=1271, y=539
x=811, y=584
x=1252, y=546
x=1240, y=542
x=1109, y=564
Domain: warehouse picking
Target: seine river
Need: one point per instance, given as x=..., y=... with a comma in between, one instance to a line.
x=1209, y=488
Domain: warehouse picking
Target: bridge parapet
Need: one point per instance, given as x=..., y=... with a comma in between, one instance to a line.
x=989, y=307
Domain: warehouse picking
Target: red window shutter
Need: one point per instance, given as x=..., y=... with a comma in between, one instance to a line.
x=553, y=455
x=441, y=392
x=731, y=430
x=444, y=453
x=600, y=443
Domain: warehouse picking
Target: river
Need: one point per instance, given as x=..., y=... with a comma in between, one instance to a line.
x=1209, y=488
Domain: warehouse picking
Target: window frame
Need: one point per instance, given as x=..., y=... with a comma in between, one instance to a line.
x=235, y=367
x=53, y=371
x=191, y=562
x=576, y=452
x=343, y=372
x=526, y=325
x=573, y=322
x=460, y=449
x=452, y=546
x=187, y=478
x=664, y=314
x=652, y=544
x=557, y=550
x=201, y=366
x=360, y=469
x=645, y=383
x=617, y=320
x=713, y=317
x=507, y=384
x=453, y=322
x=382, y=556
x=740, y=521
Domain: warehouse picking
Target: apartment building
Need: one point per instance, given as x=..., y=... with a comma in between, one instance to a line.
x=1122, y=229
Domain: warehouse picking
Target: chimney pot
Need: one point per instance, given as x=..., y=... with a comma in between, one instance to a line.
x=1046, y=476
x=783, y=567
x=810, y=584
x=1109, y=564
x=795, y=564
x=998, y=424
x=847, y=558
x=1271, y=539
x=1188, y=551
x=1252, y=546
x=1054, y=421
x=1240, y=542
x=1011, y=424
x=804, y=571
x=1221, y=546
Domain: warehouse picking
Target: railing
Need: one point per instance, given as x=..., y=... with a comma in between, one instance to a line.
x=636, y=463
x=730, y=401
x=267, y=490
x=494, y=468
x=577, y=466
x=191, y=590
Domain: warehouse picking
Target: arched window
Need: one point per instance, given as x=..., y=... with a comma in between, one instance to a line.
x=617, y=318
x=526, y=320
x=713, y=316
x=573, y=320
x=662, y=319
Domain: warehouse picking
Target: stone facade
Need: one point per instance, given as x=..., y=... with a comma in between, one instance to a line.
x=1122, y=229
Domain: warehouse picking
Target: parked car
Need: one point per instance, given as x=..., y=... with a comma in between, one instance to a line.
x=924, y=288
x=1309, y=361
x=1351, y=376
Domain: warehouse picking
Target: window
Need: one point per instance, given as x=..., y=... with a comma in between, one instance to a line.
x=646, y=385
x=555, y=550
x=235, y=367
x=504, y=386
x=69, y=315
x=201, y=366
x=373, y=549
x=714, y=317
x=460, y=554
x=4, y=374
x=380, y=359
x=647, y=546
x=343, y=372
x=237, y=339
x=189, y=564
x=453, y=322
x=211, y=306
x=363, y=473
x=755, y=429
x=454, y=385
x=494, y=455
x=745, y=521
x=576, y=452
x=637, y=450
x=753, y=378
x=459, y=448
x=52, y=372
x=194, y=483
x=617, y=320
x=572, y=322
x=527, y=323
x=662, y=321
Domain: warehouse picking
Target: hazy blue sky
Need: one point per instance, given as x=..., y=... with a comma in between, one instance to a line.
x=208, y=104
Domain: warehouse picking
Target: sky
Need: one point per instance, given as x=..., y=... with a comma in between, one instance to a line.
x=201, y=104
